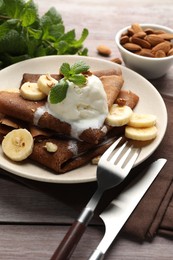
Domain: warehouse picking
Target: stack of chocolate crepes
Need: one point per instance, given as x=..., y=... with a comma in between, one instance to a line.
x=17, y=112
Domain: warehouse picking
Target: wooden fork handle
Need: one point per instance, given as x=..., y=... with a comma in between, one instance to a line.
x=69, y=242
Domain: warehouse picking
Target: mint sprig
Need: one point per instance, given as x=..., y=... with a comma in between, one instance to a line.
x=58, y=92
x=73, y=73
x=24, y=34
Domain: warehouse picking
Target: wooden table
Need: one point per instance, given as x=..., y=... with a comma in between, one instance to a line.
x=33, y=222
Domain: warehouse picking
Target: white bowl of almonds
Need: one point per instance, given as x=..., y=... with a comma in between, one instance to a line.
x=146, y=49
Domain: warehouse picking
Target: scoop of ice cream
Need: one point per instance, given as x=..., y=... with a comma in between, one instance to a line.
x=84, y=106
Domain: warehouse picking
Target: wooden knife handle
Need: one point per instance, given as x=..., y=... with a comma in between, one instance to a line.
x=69, y=242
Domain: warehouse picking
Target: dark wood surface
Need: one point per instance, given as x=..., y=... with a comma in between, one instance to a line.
x=32, y=223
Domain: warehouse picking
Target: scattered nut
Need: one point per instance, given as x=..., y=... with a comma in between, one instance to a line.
x=51, y=147
x=147, y=42
x=104, y=50
x=121, y=102
x=117, y=60
x=95, y=160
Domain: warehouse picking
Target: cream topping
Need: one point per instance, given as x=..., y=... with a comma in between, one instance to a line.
x=83, y=108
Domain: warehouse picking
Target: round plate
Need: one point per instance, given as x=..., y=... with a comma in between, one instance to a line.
x=150, y=102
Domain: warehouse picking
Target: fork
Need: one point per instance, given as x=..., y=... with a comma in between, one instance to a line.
x=111, y=171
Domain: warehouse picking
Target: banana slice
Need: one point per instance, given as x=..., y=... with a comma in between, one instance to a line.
x=18, y=144
x=119, y=115
x=142, y=120
x=141, y=134
x=45, y=83
x=30, y=91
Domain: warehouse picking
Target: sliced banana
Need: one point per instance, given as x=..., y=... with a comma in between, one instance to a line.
x=141, y=134
x=30, y=91
x=45, y=83
x=18, y=144
x=119, y=115
x=142, y=120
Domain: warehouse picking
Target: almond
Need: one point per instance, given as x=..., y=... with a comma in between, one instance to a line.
x=140, y=34
x=158, y=31
x=136, y=28
x=117, y=60
x=130, y=32
x=154, y=39
x=104, y=50
x=166, y=36
x=146, y=53
x=124, y=39
x=132, y=46
x=160, y=54
x=170, y=52
x=143, y=43
x=164, y=46
x=149, y=31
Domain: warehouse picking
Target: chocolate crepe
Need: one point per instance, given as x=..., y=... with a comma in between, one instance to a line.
x=70, y=153
x=14, y=105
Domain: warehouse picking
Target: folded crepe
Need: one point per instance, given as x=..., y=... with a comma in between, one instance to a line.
x=70, y=153
x=14, y=105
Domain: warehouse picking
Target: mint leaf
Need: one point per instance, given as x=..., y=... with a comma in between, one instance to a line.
x=79, y=67
x=52, y=16
x=78, y=79
x=12, y=43
x=58, y=92
x=52, y=25
x=71, y=73
x=13, y=8
x=29, y=14
x=65, y=69
x=78, y=43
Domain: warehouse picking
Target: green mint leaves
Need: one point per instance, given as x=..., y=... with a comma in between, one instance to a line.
x=58, y=92
x=24, y=34
x=74, y=73
x=71, y=73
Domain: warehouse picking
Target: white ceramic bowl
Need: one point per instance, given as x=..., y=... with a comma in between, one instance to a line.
x=150, y=68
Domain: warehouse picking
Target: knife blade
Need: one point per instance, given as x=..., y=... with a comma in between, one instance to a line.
x=120, y=209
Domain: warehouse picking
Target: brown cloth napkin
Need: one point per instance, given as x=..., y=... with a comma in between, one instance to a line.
x=154, y=213
x=145, y=221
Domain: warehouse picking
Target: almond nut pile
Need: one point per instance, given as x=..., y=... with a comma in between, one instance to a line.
x=147, y=42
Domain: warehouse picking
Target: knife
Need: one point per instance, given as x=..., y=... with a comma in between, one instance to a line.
x=120, y=209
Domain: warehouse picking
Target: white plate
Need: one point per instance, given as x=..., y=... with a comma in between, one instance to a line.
x=150, y=102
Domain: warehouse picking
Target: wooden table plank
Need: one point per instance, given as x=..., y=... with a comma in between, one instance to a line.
x=37, y=242
x=32, y=223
